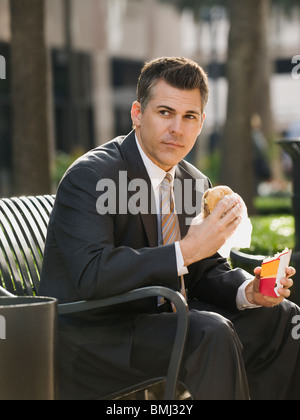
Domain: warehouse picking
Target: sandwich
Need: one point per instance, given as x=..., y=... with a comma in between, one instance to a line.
x=211, y=198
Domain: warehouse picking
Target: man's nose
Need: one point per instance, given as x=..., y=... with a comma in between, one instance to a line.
x=176, y=128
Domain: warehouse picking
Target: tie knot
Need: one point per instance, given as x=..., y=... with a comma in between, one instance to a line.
x=169, y=177
x=167, y=181
x=166, y=184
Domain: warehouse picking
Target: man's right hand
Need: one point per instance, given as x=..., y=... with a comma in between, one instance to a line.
x=207, y=236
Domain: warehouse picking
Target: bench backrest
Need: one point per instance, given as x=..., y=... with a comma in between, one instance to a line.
x=23, y=229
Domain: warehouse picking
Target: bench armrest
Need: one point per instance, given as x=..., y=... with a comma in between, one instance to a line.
x=4, y=292
x=182, y=323
x=242, y=257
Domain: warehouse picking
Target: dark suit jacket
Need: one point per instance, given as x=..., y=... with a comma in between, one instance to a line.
x=91, y=256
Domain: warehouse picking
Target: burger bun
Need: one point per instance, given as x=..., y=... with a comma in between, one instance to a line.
x=212, y=197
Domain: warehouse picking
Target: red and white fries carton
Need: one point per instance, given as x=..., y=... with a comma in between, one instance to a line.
x=272, y=272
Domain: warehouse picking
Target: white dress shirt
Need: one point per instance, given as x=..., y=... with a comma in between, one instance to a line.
x=156, y=175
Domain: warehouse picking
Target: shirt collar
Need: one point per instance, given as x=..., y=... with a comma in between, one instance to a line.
x=156, y=174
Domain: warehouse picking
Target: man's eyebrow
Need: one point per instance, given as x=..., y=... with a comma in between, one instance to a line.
x=174, y=110
x=165, y=107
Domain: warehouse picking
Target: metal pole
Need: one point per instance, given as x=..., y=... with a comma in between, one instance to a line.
x=292, y=147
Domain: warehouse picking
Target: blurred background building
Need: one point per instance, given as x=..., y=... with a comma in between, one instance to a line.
x=97, y=48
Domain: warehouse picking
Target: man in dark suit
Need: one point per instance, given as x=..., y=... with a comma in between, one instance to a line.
x=107, y=235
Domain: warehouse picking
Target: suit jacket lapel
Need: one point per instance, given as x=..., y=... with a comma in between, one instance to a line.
x=136, y=170
x=185, y=198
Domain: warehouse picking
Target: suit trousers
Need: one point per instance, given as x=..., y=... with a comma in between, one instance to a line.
x=228, y=356
x=247, y=355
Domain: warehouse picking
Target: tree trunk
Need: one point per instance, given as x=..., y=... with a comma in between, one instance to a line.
x=263, y=95
x=243, y=55
x=30, y=98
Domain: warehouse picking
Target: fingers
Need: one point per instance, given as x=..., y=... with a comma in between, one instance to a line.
x=284, y=291
x=227, y=215
x=290, y=272
x=287, y=283
x=229, y=209
x=257, y=273
x=226, y=204
x=256, y=284
x=232, y=225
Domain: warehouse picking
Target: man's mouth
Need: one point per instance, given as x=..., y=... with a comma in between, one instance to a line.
x=173, y=145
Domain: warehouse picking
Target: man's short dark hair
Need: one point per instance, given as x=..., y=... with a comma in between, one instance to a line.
x=179, y=72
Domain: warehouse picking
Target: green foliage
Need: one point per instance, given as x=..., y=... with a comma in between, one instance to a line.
x=273, y=205
x=273, y=227
x=271, y=234
x=62, y=162
x=210, y=165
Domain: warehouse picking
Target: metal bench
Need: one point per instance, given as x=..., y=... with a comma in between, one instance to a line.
x=23, y=229
x=247, y=261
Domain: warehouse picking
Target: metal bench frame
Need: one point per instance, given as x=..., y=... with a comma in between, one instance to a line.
x=23, y=230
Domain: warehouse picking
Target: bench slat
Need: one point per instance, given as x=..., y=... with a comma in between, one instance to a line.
x=23, y=233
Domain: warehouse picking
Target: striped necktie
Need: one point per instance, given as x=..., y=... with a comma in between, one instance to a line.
x=169, y=220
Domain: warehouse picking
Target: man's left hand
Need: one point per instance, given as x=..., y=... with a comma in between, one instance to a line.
x=255, y=297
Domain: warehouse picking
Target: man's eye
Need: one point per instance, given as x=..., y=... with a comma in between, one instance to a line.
x=190, y=117
x=165, y=113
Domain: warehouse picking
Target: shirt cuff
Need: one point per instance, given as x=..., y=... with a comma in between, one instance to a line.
x=181, y=269
x=241, y=300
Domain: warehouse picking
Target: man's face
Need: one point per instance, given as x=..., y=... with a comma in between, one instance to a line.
x=169, y=126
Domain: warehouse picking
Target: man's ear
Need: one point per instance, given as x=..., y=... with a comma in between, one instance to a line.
x=136, y=112
x=203, y=119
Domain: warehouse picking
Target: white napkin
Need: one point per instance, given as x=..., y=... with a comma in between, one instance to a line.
x=241, y=238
